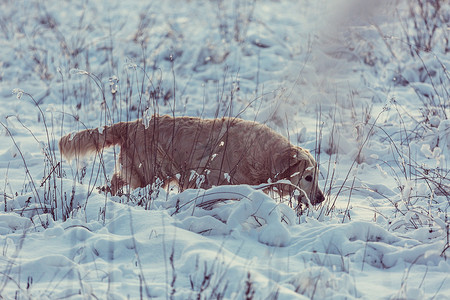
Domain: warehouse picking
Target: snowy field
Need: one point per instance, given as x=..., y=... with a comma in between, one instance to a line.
x=364, y=85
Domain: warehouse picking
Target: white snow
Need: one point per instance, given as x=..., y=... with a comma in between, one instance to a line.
x=364, y=85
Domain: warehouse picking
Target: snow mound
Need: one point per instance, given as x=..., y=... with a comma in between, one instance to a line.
x=233, y=210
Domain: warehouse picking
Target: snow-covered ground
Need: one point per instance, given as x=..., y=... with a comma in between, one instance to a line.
x=363, y=84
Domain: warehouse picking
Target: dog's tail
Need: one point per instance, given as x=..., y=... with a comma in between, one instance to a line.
x=89, y=141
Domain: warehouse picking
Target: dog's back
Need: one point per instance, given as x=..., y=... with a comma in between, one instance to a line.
x=223, y=151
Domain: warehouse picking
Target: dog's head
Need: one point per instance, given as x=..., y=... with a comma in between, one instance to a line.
x=300, y=168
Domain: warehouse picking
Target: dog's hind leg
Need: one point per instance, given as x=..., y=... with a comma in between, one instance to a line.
x=116, y=184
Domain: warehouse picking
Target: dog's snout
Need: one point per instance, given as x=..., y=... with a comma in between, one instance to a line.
x=319, y=197
x=315, y=198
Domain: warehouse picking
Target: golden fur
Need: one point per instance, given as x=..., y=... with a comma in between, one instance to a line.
x=199, y=152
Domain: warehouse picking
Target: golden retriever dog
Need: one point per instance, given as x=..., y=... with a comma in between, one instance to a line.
x=200, y=153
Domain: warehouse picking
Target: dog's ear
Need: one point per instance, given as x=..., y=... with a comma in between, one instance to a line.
x=286, y=160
